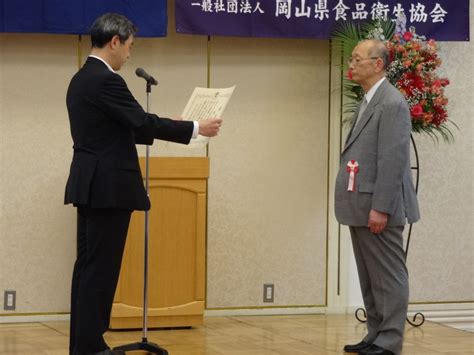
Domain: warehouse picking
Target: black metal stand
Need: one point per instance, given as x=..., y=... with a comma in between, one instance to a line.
x=414, y=322
x=145, y=345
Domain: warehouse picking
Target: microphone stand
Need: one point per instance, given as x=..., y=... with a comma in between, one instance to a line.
x=145, y=345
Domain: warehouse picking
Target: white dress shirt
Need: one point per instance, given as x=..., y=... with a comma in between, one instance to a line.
x=370, y=94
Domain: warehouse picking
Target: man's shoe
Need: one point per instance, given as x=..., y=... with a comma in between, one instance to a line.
x=355, y=348
x=375, y=350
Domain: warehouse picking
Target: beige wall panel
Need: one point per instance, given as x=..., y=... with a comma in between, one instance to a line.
x=36, y=230
x=441, y=256
x=268, y=181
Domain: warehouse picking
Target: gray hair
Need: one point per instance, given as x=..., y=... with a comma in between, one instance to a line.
x=109, y=25
x=379, y=49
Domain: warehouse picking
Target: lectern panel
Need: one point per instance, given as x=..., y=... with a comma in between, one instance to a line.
x=176, y=252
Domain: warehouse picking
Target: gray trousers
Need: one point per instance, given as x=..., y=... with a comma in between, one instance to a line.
x=383, y=278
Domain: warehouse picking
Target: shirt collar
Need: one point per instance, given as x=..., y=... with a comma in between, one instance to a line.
x=103, y=61
x=370, y=94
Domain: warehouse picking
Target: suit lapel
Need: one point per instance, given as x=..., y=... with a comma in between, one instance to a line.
x=366, y=116
x=353, y=122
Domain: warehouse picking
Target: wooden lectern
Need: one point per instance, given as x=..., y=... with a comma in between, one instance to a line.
x=177, y=264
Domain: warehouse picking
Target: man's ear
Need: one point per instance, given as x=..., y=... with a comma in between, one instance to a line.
x=115, y=42
x=380, y=65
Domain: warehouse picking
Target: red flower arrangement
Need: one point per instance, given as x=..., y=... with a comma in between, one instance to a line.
x=413, y=70
x=413, y=67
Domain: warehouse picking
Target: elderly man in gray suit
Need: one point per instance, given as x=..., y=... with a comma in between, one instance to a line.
x=375, y=197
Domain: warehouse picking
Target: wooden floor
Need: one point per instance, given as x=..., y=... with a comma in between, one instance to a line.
x=311, y=334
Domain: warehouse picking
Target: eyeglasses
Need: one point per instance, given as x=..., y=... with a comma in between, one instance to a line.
x=357, y=60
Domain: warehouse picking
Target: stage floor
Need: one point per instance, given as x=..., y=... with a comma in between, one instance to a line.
x=258, y=335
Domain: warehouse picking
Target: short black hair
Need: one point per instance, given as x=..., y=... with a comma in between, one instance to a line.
x=109, y=25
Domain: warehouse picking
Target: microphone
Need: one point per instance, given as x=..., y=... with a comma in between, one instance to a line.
x=143, y=74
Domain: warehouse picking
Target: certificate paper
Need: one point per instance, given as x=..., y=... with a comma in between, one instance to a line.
x=204, y=104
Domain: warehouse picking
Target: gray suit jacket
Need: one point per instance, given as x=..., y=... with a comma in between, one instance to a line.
x=380, y=143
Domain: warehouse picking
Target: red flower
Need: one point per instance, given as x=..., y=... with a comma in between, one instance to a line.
x=428, y=118
x=407, y=36
x=417, y=111
x=440, y=110
x=349, y=74
x=444, y=82
x=392, y=54
x=411, y=82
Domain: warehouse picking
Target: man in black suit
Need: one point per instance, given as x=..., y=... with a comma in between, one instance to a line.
x=105, y=182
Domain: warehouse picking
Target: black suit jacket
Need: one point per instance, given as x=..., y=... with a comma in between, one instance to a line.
x=106, y=123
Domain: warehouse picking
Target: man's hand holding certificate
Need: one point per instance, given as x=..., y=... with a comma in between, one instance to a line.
x=210, y=127
x=204, y=104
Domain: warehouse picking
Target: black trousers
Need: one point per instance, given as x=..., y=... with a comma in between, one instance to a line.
x=101, y=235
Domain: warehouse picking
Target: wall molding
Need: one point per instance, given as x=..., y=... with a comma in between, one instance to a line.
x=33, y=318
x=439, y=313
x=264, y=311
x=432, y=312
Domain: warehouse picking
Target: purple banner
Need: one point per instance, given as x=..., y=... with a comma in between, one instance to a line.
x=442, y=20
